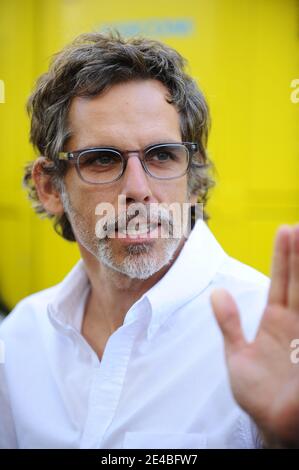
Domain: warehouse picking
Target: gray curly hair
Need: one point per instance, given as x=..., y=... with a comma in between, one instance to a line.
x=88, y=66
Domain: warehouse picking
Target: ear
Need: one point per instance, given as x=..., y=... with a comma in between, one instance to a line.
x=47, y=193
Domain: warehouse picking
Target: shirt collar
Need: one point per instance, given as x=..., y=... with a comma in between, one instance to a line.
x=65, y=310
x=188, y=276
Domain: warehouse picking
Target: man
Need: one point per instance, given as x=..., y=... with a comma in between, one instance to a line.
x=125, y=352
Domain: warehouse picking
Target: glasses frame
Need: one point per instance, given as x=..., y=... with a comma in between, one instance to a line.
x=74, y=157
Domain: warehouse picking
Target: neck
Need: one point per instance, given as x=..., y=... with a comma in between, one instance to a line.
x=112, y=293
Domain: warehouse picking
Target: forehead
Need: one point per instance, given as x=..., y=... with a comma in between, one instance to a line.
x=137, y=110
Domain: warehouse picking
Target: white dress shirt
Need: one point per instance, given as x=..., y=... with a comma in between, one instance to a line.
x=162, y=381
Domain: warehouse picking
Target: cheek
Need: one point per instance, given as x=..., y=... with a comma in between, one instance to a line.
x=85, y=196
x=176, y=191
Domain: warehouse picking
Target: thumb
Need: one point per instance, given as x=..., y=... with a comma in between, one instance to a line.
x=228, y=319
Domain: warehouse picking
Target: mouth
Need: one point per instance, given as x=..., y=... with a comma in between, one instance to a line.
x=144, y=233
x=142, y=229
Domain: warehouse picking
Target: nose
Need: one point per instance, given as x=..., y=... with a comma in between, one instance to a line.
x=135, y=182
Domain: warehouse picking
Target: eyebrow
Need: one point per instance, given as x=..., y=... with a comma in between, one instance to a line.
x=109, y=146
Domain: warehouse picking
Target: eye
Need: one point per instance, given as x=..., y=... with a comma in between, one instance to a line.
x=100, y=159
x=161, y=155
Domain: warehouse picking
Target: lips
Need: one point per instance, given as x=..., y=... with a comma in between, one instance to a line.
x=142, y=229
x=136, y=225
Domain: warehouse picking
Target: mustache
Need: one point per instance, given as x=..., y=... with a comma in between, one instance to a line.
x=144, y=216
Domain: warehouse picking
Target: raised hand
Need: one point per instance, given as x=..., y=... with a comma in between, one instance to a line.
x=264, y=379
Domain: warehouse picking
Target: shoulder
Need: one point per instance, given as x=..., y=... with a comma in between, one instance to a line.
x=249, y=288
x=23, y=316
x=248, y=285
x=243, y=274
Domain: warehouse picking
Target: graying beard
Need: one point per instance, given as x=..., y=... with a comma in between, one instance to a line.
x=136, y=249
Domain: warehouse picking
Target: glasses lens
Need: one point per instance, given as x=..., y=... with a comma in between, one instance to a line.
x=167, y=161
x=100, y=166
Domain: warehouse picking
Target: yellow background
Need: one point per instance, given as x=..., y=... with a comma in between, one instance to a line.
x=244, y=55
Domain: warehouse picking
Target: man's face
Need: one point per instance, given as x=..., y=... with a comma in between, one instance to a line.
x=129, y=116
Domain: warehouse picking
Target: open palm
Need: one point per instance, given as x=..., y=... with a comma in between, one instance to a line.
x=264, y=379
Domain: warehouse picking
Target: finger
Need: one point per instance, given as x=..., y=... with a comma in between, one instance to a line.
x=278, y=291
x=228, y=319
x=293, y=287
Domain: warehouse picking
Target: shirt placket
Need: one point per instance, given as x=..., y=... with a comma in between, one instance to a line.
x=107, y=382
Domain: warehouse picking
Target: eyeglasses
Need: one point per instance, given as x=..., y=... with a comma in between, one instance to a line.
x=99, y=165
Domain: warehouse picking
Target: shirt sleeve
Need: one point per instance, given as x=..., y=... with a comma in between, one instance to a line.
x=250, y=434
x=256, y=436
x=8, y=438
